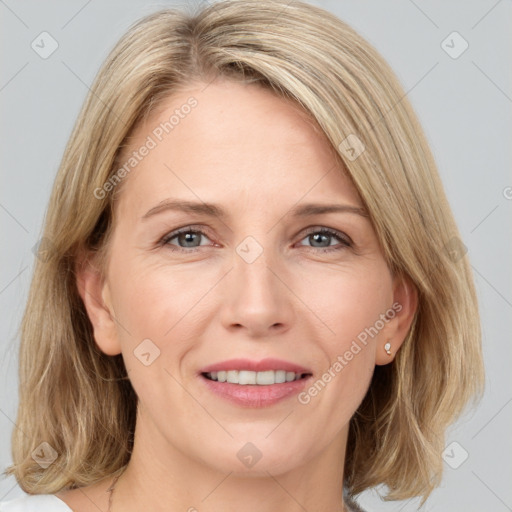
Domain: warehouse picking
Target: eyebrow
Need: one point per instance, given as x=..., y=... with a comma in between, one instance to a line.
x=214, y=210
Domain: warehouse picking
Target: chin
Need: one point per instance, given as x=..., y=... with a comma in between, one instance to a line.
x=257, y=458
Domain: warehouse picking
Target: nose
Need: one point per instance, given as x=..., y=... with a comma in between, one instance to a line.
x=258, y=299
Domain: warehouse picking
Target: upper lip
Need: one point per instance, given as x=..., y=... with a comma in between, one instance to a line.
x=255, y=366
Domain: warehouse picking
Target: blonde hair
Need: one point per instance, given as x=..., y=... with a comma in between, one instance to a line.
x=80, y=401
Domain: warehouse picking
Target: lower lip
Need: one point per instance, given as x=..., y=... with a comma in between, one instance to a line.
x=255, y=396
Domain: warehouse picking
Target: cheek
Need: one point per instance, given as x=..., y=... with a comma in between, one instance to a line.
x=350, y=306
x=157, y=327
x=153, y=297
x=349, y=302
x=164, y=302
x=161, y=303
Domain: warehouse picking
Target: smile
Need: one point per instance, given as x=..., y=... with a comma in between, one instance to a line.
x=247, y=377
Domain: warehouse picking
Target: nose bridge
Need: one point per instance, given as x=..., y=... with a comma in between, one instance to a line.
x=257, y=298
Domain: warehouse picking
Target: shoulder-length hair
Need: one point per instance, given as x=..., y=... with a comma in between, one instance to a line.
x=80, y=401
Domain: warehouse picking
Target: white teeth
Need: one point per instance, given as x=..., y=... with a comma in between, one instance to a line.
x=244, y=377
x=280, y=376
x=232, y=376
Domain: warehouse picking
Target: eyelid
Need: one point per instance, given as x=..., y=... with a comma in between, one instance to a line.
x=199, y=228
x=329, y=231
x=204, y=231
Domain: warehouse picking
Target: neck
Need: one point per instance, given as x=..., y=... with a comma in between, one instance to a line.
x=162, y=477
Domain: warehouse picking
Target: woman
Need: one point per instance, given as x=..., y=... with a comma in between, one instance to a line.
x=250, y=295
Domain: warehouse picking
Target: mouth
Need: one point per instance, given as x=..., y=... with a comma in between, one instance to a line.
x=253, y=378
x=255, y=383
x=258, y=387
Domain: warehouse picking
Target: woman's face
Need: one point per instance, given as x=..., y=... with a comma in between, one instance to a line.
x=252, y=278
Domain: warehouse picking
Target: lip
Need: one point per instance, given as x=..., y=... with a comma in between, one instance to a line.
x=250, y=395
x=255, y=366
x=254, y=396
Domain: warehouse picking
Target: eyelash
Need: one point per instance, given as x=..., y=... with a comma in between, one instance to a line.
x=344, y=239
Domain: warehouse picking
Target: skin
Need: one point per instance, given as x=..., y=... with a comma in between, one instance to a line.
x=257, y=156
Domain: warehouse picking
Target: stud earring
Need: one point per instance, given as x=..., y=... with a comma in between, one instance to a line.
x=387, y=348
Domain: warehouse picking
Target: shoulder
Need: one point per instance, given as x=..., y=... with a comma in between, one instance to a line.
x=35, y=503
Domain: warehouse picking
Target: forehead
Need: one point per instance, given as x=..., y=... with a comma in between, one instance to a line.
x=231, y=140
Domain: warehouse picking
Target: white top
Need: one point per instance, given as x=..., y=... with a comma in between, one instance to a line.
x=35, y=503
x=50, y=503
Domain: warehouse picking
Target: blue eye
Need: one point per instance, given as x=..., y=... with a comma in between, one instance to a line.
x=187, y=236
x=321, y=235
x=188, y=239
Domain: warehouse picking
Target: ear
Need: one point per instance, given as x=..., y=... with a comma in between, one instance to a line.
x=400, y=316
x=95, y=293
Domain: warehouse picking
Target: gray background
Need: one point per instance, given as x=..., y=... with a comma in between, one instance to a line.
x=463, y=103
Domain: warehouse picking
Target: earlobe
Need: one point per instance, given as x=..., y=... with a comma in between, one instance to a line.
x=405, y=304
x=95, y=294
